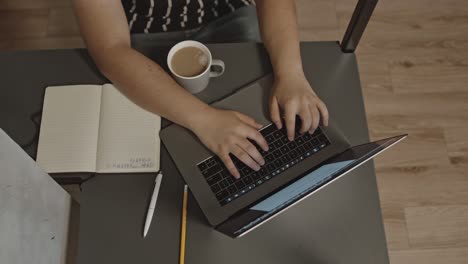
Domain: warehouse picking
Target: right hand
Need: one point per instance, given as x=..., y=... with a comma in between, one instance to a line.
x=228, y=132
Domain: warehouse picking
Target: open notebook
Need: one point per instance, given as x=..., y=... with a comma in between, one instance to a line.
x=94, y=128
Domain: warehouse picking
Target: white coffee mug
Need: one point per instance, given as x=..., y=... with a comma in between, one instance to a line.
x=196, y=84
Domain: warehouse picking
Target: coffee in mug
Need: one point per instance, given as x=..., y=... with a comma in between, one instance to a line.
x=189, y=62
x=192, y=66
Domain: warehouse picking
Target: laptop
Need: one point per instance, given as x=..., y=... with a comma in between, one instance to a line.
x=292, y=172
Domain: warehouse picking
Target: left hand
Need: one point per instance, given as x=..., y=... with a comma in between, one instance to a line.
x=294, y=95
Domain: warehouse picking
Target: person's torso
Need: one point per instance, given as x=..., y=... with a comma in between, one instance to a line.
x=152, y=16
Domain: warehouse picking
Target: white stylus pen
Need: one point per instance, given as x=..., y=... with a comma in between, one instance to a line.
x=154, y=198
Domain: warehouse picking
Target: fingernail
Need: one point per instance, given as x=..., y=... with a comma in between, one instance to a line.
x=257, y=168
x=262, y=162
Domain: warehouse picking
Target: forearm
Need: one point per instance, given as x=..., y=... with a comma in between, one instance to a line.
x=148, y=85
x=105, y=31
x=278, y=26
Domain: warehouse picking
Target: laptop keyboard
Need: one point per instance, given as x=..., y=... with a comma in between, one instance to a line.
x=282, y=155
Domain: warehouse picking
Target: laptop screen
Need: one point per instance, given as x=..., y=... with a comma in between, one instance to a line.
x=304, y=186
x=300, y=187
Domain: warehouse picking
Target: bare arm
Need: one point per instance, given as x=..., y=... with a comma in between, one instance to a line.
x=292, y=92
x=278, y=26
x=105, y=30
x=104, y=27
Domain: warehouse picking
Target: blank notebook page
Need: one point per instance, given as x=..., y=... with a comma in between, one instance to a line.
x=69, y=129
x=128, y=135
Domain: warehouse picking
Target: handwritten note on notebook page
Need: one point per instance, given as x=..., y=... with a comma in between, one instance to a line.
x=128, y=135
x=91, y=128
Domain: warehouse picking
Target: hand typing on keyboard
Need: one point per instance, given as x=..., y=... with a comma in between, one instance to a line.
x=292, y=92
x=228, y=132
x=280, y=157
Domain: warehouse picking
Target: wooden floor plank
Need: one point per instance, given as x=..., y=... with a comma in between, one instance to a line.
x=5, y=44
x=317, y=20
x=457, y=145
x=62, y=22
x=424, y=147
x=439, y=73
x=430, y=256
x=397, y=111
x=395, y=227
x=438, y=226
x=47, y=43
x=411, y=186
x=374, y=73
x=23, y=23
x=29, y=4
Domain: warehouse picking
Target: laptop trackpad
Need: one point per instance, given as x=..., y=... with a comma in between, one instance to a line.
x=252, y=100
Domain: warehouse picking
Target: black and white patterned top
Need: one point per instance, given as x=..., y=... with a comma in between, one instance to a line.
x=151, y=16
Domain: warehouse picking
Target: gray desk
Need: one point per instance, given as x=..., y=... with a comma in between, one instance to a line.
x=341, y=224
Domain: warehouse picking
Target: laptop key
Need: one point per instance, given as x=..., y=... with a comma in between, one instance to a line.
x=268, y=130
x=277, y=134
x=247, y=180
x=299, y=141
x=223, y=184
x=269, y=138
x=277, y=153
x=315, y=142
x=271, y=147
x=270, y=167
x=322, y=138
x=293, y=154
x=278, y=163
x=307, y=136
x=278, y=144
x=212, y=170
x=225, y=173
x=239, y=184
x=232, y=189
x=210, y=162
x=246, y=171
x=222, y=194
x=202, y=166
x=269, y=158
x=256, y=175
x=229, y=179
x=215, y=188
x=300, y=149
x=214, y=179
x=291, y=145
x=284, y=149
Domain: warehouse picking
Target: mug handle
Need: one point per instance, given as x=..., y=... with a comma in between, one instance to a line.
x=217, y=64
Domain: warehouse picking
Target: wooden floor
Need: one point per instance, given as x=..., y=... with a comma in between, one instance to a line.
x=413, y=61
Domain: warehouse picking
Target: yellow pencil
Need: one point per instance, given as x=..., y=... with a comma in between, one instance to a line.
x=183, y=227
